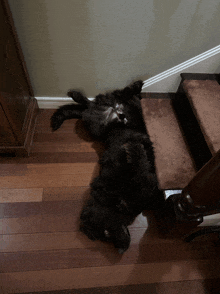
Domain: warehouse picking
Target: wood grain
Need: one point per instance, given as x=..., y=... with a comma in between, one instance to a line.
x=44, y=181
x=108, y=276
x=21, y=195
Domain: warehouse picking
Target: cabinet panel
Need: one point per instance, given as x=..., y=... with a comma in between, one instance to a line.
x=18, y=105
x=6, y=133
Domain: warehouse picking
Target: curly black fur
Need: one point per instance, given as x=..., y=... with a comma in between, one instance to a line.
x=128, y=172
x=107, y=224
x=120, y=107
x=127, y=185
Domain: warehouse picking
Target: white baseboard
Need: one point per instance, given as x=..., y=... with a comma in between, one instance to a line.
x=54, y=102
x=167, y=81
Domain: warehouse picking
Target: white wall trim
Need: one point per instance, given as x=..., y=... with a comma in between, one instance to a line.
x=168, y=81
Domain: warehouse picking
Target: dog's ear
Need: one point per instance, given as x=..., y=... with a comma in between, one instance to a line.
x=133, y=89
x=136, y=87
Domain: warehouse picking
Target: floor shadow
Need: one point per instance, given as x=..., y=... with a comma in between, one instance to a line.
x=171, y=265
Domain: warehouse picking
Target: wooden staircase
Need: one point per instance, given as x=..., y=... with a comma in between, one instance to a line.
x=185, y=130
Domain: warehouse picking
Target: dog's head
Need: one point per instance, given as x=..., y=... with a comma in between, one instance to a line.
x=105, y=224
x=117, y=108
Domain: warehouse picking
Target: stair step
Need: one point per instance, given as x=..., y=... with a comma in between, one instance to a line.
x=191, y=129
x=199, y=76
x=204, y=97
x=175, y=167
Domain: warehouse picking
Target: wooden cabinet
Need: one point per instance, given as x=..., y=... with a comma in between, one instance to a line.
x=18, y=107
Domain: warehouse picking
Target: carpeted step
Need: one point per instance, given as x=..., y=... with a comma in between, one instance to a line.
x=175, y=167
x=204, y=97
x=192, y=121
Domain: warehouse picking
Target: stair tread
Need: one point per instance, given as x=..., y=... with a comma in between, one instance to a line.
x=175, y=167
x=204, y=96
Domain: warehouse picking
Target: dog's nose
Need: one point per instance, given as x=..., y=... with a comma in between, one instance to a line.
x=121, y=116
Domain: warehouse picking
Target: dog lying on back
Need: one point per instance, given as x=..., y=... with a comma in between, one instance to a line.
x=118, y=108
x=127, y=185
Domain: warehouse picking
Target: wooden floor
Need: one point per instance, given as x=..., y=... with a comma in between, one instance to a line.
x=41, y=248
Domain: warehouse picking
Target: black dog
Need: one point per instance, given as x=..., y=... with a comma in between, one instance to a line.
x=127, y=183
x=120, y=107
x=126, y=186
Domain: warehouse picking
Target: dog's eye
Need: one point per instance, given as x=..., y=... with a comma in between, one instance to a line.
x=107, y=234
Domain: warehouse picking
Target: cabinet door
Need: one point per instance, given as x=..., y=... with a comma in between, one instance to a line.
x=18, y=105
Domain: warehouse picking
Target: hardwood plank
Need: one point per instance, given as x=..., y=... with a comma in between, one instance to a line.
x=109, y=276
x=45, y=181
x=74, y=239
x=19, y=210
x=106, y=256
x=13, y=169
x=66, y=193
x=21, y=195
x=45, y=241
x=189, y=287
x=46, y=168
x=48, y=157
x=71, y=138
x=62, y=147
x=51, y=223
x=182, y=287
x=46, y=129
x=64, y=259
x=61, y=168
x=39, y=224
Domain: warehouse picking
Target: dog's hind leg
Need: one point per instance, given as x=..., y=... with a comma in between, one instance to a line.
x=65, y=112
